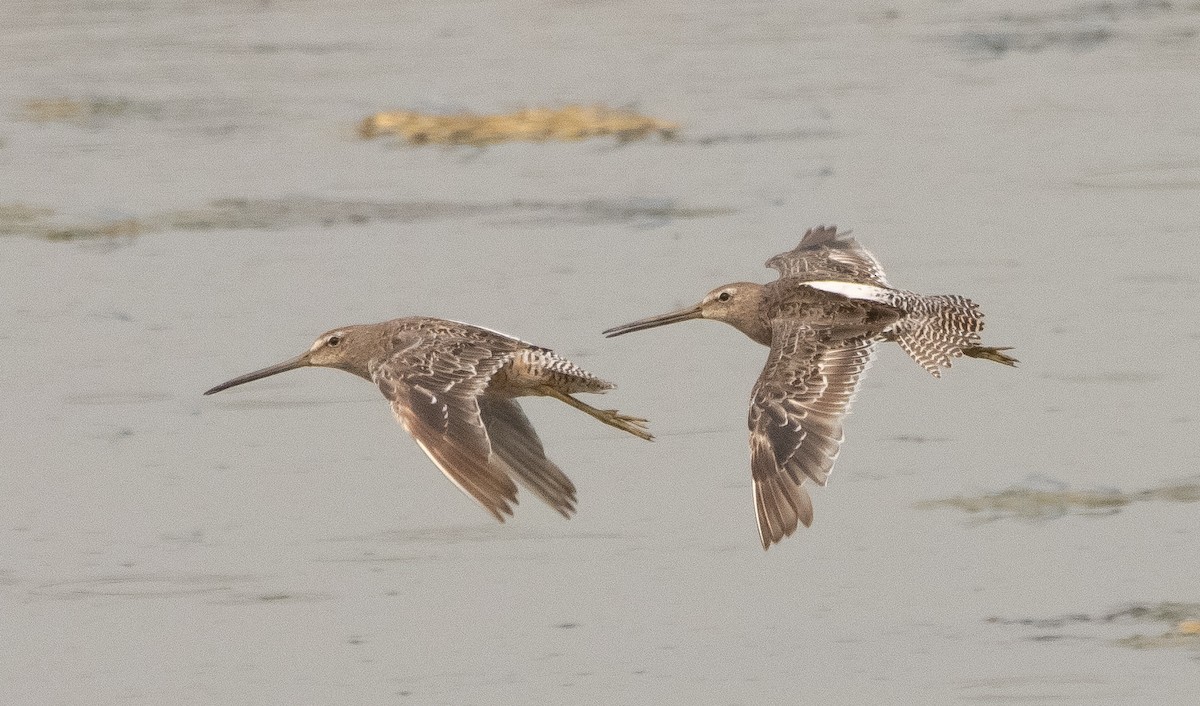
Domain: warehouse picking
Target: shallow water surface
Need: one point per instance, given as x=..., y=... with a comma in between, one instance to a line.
x=183, y=198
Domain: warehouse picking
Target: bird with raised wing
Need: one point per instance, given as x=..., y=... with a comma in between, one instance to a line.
x=453, y=386
x=822, y=319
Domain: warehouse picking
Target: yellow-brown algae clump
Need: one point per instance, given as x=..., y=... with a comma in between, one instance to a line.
x=53, y=109
x=1188, y=627
x=569, y=123
x=48, y=110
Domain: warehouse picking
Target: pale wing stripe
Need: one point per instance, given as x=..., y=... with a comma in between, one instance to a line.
x=853, y=290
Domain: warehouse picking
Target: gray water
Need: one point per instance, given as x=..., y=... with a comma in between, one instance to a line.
x=209, y=210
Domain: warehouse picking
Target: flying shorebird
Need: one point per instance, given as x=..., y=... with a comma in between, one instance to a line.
x=822, y=319
x=452, y=386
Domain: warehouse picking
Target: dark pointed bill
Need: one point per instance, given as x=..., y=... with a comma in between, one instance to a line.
x=692, y=312
x=297, y=362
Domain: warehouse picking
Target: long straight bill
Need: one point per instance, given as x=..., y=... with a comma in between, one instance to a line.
x=692, y=312
x=297, y=362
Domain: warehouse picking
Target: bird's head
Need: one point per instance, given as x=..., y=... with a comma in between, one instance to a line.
x=738, y=304
x=345, y=348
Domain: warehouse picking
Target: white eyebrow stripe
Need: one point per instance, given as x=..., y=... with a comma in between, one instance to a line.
x=853, y=290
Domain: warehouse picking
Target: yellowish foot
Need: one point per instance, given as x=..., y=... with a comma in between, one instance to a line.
x=633, y=425
x=993, y=354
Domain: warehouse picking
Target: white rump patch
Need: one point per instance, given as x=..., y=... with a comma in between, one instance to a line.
x=853, y=290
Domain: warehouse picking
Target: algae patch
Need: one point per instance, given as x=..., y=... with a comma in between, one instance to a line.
x=1184, y=619
x=1079, y=28
x=568, y=124
x=306, y=212
x=1045, y=499
x=83, y=110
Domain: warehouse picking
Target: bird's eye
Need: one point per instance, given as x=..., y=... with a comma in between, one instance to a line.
x=333, y=341
x=724, y=297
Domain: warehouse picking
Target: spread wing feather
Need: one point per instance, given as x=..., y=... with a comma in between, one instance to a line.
x=796, y=413
x=826, y=254
x=435, y=386
x=515, y=444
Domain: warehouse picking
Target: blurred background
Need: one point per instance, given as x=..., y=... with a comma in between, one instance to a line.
x=187, y=194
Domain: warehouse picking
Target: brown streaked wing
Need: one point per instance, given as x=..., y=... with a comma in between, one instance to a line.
x=796, y=413
x=824, y=253
x=434, y=385
x=517, y=446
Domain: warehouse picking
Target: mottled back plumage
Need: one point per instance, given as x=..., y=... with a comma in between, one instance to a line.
x=452, y=387
x=822, y=318
x=933, y=330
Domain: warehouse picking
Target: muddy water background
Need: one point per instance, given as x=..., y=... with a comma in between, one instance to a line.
x=287, y=543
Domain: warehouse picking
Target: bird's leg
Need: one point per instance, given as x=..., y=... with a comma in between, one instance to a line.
x=992, y=354
x=611, y=417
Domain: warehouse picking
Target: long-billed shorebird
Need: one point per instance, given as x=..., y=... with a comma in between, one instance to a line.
x=822, y=319
x=452, y=386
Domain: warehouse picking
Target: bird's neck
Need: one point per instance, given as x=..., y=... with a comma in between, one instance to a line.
x=750, y=316
x=756, y=327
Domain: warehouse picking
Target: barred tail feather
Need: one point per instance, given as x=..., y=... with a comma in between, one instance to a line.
x=937, y=330
x=541, y=365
